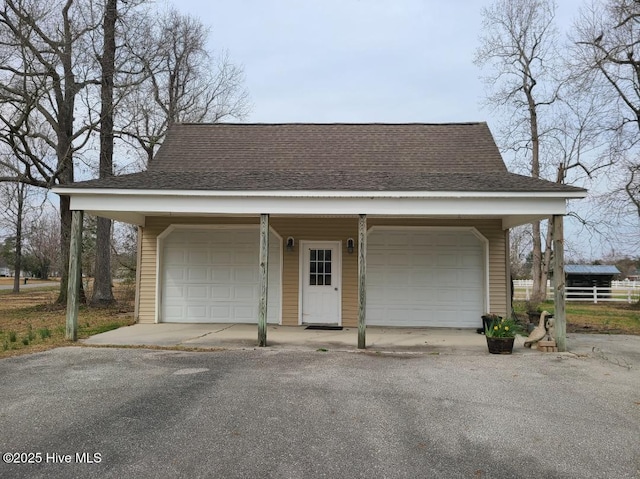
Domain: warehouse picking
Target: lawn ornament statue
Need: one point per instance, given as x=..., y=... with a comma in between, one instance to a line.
x=539, y=332
x=551, y=329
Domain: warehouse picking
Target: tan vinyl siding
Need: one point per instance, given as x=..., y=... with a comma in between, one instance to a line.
x=147, y=287
x=319, y=229
x=499, y=301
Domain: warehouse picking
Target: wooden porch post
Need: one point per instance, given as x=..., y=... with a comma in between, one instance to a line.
x=362, y=274
x=264, y=276
x=73, y=286
x=559, y=283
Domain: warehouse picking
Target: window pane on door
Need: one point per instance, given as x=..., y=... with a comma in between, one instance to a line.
x=320, y=267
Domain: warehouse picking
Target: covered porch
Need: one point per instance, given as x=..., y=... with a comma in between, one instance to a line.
x=354, y=312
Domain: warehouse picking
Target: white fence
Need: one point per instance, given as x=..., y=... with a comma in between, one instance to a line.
x=620, y=291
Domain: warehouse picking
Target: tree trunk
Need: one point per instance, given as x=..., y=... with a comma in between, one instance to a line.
x=102, y=290
x=546, y=256
x=102, y=295
x=65, y=235
x=538, y=292
x=18, y=260
x=65, y=177
x=539, y=269
x=65, y=90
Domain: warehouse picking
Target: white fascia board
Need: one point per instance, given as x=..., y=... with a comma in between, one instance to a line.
x=316, y=194
x=443, y=206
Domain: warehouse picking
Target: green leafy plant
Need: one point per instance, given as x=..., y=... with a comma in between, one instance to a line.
x=13, y=336
x=502, y=328
x=30, y=333
x=44, y=333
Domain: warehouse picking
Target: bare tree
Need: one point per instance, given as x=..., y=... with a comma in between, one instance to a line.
x=164, y=59
x=607, y=57
x=125, y=250
x=184, y=83
x=15, y=199
x=575, y=144
x=42, y=245
x=45, y=73
x=102, y=291
x=24, y=208
x=520, y=247
x=520, y=46
x=71, y=69
x=121, y=72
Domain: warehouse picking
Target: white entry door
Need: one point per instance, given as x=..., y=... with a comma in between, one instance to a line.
x=320, y=282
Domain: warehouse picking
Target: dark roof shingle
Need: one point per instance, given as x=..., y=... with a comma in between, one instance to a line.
x=359, y=157
x=326, y=181
x=428, y=148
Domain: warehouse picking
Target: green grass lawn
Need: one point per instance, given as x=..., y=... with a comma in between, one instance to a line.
x=30, y=321
x=613, y=318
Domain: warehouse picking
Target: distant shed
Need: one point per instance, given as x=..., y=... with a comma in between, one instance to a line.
x=590, y=275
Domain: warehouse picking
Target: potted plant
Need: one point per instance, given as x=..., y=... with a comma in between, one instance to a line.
x=487, y=319
x=533, y=311
x=501, y=334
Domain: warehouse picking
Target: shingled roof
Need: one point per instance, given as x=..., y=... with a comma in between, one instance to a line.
x=362, y=157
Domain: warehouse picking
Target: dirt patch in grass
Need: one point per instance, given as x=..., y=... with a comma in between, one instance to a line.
x=30, y=321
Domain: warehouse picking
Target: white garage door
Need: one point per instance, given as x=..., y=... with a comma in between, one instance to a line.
x=211, y=276
x=425, y=277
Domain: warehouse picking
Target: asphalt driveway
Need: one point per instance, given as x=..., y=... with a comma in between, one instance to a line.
x=295, y=414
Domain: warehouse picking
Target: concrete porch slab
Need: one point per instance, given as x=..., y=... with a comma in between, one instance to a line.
x=242, y=336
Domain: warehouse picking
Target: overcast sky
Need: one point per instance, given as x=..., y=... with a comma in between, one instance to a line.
x=355, y=60
x=362, y=61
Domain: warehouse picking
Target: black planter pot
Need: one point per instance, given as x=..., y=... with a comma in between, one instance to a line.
x=500, y=345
